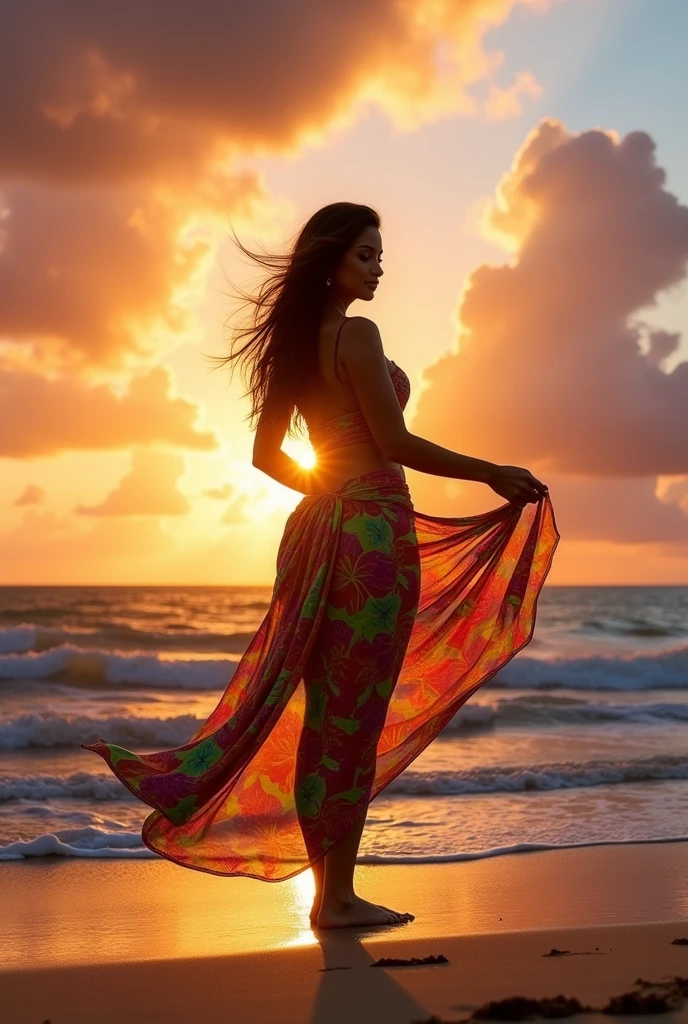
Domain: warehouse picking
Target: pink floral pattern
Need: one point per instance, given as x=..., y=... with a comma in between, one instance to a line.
x=383, y=622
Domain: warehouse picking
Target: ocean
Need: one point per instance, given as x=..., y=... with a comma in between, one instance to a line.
x=579, y=740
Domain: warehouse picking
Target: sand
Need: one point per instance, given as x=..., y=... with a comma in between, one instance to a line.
x=141, y=940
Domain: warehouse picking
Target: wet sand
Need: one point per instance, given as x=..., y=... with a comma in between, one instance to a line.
x=145, y=940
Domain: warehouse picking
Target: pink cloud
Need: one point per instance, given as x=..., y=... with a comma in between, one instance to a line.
x=662, y=344
x=621, y=511
x=549, y=371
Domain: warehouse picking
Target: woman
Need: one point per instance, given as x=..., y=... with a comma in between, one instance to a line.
x=383, y=620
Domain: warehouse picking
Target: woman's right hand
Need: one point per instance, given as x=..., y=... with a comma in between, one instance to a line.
x=517, y=485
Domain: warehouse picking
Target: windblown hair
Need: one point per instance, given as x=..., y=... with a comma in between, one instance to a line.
x=280, y=358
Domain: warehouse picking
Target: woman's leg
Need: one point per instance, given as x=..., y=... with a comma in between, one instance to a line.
x=347, y=847
x=342, y=766
x=348, y=682
x=319, y=877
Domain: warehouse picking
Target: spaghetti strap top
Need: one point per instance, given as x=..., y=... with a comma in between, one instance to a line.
x=336, y=343
x=351, y=427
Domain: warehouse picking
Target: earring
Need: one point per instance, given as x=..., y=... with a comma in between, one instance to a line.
x=328, y=282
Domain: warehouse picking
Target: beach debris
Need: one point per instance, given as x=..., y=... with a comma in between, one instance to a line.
x=435, y=1020
x=414, y=961
x=522, y=1008
x=679, y=942
x=567, y=952
x=668, y=998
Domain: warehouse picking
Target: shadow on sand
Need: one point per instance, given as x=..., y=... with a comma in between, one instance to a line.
x=348, y=983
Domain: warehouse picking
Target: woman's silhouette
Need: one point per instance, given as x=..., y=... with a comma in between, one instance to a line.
x=383, y=619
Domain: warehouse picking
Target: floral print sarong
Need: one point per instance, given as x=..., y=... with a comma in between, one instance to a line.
x=383, y=622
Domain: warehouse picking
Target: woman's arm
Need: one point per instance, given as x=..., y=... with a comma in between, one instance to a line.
x=418, y=453
x=285, y=470
x=364, y=360
x=269, y=457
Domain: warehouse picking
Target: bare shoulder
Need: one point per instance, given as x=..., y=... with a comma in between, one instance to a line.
x=361, y=339
x=362, y=325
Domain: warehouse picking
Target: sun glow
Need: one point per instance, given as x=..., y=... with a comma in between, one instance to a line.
x=301, y=451
x=307, y=460
x=301, y=898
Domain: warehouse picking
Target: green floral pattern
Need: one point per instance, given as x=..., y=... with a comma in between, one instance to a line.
x=383, y=622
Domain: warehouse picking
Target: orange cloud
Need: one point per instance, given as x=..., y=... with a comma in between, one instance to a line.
x=32, y=495
x=236, y=511
x=621, y=511
x=219, y=493
x=673, y=490
x=88, y=276
x=503, y=103
x=74, y=272
x=236, y=507
x=549, y=372
x=150, y=489
x=116, y=171
x=44, y=417
x=109, y=99
x=45, y=548
x=133, y=549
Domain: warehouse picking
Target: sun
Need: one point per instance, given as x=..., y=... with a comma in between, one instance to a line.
x=306, y=459
x=301, y=451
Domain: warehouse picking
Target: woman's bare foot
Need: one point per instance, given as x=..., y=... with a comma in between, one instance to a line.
x=358, y=912
x=315, y=910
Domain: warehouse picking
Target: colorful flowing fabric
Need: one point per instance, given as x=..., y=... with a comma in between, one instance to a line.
x=383, y=622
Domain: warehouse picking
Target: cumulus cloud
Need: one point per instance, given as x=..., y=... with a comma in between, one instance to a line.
x=149, y=489
x=117, y=164
x=503, y=103
x=662, y=344
x=88, y=276
x=219, y=493
x=96, y=92
x=620, y=511
x=46, y=548
x=44, y=417
x=74, y=272
x=31, y=495
x=549, y=370
x=236, y=511
x=673, y=490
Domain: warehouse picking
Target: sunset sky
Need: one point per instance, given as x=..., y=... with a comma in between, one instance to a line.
x=529, y=161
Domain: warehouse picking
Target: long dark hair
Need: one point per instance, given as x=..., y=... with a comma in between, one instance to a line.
x=280, y=358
